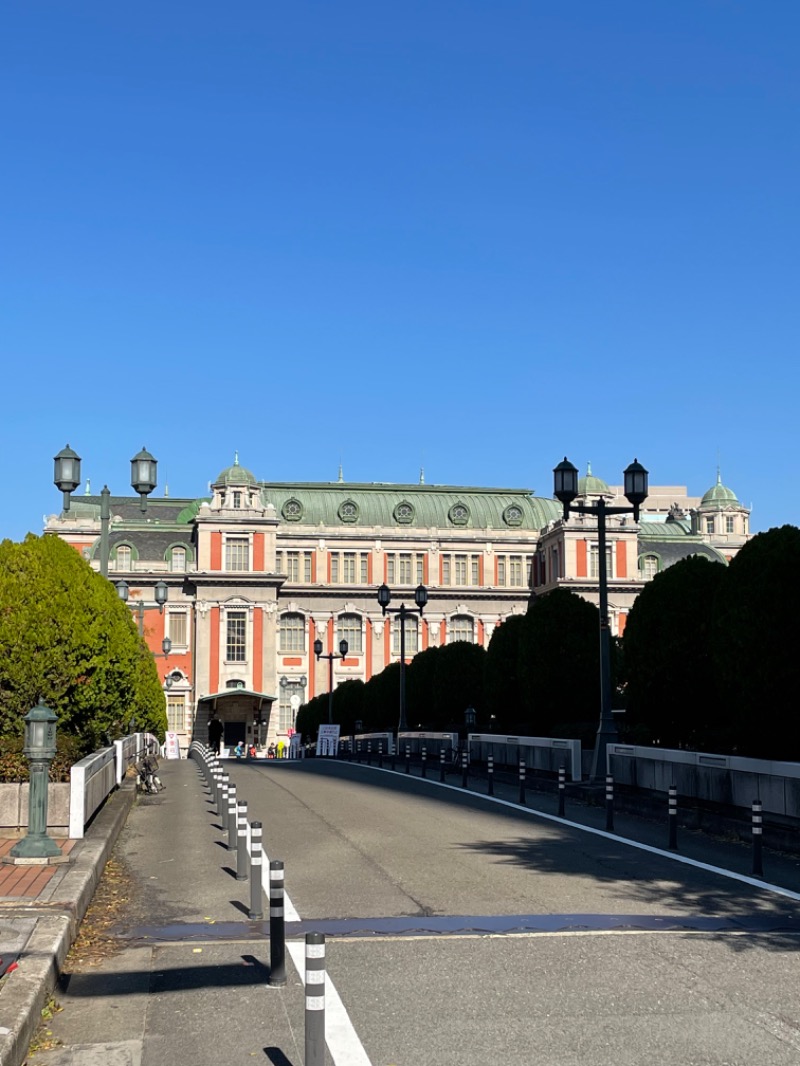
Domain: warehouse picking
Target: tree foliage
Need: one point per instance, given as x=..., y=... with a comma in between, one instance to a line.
x=672, y=692
x=66, y=638
x=502, y=683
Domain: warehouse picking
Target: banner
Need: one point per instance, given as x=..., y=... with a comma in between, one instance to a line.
x=172, y=747
x=328, y=740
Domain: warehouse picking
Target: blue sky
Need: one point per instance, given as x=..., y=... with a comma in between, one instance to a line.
x=468, y=236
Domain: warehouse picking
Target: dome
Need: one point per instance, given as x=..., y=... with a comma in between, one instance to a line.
x=592, y=486
x=719, y=496
x=236, y=475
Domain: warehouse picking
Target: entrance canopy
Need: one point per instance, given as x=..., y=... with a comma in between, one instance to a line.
x=233, y=698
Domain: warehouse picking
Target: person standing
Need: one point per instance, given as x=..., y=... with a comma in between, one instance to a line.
x=215, y=731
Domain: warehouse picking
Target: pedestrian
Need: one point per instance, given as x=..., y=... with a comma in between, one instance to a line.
x=251, y=751
x=279, y=749
x=271, y=750
x=215, y=731
x=238, y=751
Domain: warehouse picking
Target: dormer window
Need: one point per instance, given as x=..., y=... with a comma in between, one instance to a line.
x=237, y=499
x=178, y=560
x=123, y=555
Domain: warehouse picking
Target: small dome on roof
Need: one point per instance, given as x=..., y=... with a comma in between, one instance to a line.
x=236, y=475
x=592, y=486
x=720, y=496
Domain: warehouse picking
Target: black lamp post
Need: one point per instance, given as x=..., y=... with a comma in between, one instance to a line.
x=565, y=478
x=40, y=750
x=420, y=598
x=297, y=684
x=67, y=477
x=343, y=646
x=160, y=594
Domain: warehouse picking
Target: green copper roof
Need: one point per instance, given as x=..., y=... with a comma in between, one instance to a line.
x=592, y=486
x=408, y=506
x=236, y=475
x=719, y=496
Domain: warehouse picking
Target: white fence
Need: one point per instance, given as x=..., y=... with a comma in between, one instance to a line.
x=95, y=777
x=540, y=753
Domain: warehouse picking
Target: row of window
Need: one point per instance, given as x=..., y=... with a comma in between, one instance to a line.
x=176, y=558
x=407, y=568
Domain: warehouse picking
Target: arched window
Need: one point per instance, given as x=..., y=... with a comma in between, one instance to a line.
x=123, y=557
x=412, y=636
x=648, y=565
x=292, y=632
x=178, y=560
x=460, y=627
x=349, y=628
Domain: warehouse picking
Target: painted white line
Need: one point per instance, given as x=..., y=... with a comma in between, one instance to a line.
x=289, y=913
x=765, y=886
x=340, y=1036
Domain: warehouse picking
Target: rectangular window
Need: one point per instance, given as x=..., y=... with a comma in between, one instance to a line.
x=501, y=570
x=460, y=570
x=475, y=570
x=176, y=714
x=293, y=633
x=237, y=553
x=446, y=574
x=293, y=566
x=178, y=628
x=348, y=627
x=334, y=568
x=390, y=569
x=123, y=557
x=515, y=570
x=177, y=563
x=709, y=525
x=728, y=524
x=364, y=568
x=420, y=576
x=529, y=568
x=594, y=561
x=278, y=562
x=307, y=567
x=236, y=637
x=404, y=575
x=349, y=568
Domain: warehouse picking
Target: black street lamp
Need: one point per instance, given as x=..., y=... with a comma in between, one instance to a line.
x=297, y=684
x=67, y=477
x=420, y=598
x=343, y=646
x=160, y=594
x=565, y=484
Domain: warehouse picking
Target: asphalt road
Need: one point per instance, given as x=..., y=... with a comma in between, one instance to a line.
x=460, y=931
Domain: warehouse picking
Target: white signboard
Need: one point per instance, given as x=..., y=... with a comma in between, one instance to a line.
x=328, y=740
x=172, y=747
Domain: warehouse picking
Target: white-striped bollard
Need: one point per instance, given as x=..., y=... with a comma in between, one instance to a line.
x=241, y=840
x=522, y=782
x=464, y=769
x=441, y=763
x=424, y=757
x=609, y=803
x=562, y=788
x=490, y=773
x=315, y=999
x=224, y=788
x=232, y=817
x=673, y=818
x=256, y=855
x=408, y=758
x=758, y=868
x=277, y=934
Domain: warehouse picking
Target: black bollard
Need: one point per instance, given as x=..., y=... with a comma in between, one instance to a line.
x=392, y=751
x=256, y=854
x=562, y=788
x=522, y=782
x=241, y=841
x=424, y=761
x=380, y=754
x=315, y=999
x=758, y=868
x=490, y=773
x=225, y=785
x=277, y=934
x=232, y=818
x=408, y=758
x=609, y=803
x=464, y=769
x=673, y=818
x=369, y=753
x=441, y=764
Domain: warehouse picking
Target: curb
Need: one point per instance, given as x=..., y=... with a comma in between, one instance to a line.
x=27, y=988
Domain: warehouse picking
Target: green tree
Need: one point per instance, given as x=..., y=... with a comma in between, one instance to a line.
x=671, y=680
x=67, y=638
x=756, y=637
x=560, y=666
x=458, y=684
x=420, y=683
x=503, y=692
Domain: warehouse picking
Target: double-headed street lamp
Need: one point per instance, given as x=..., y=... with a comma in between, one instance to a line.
x=343, y=646
x=67, y=477
x=420, y=598
x=297, y=685
x=160, y=594
x=565, y=477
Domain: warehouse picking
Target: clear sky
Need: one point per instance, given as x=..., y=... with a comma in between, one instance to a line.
x=469, y=236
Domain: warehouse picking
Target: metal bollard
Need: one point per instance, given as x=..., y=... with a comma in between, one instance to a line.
x=609, y=803
x=562, y=788
x=277, y=934
x=490, y=773
x=424, y=761
x=673, y=818
x=464, y=769
x=256, y=854
x=315, y=999
x=215, y=782
x=392, y=751
x=241, y=841
x=380, y=754
x=441, y=764
x=232, y=817
x=369, y=753
x=358, y=750
x=522, y=782
x=758, y=868
x=408, y=758
x=225, y=785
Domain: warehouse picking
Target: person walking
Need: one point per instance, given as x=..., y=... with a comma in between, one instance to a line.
x=215, y=731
